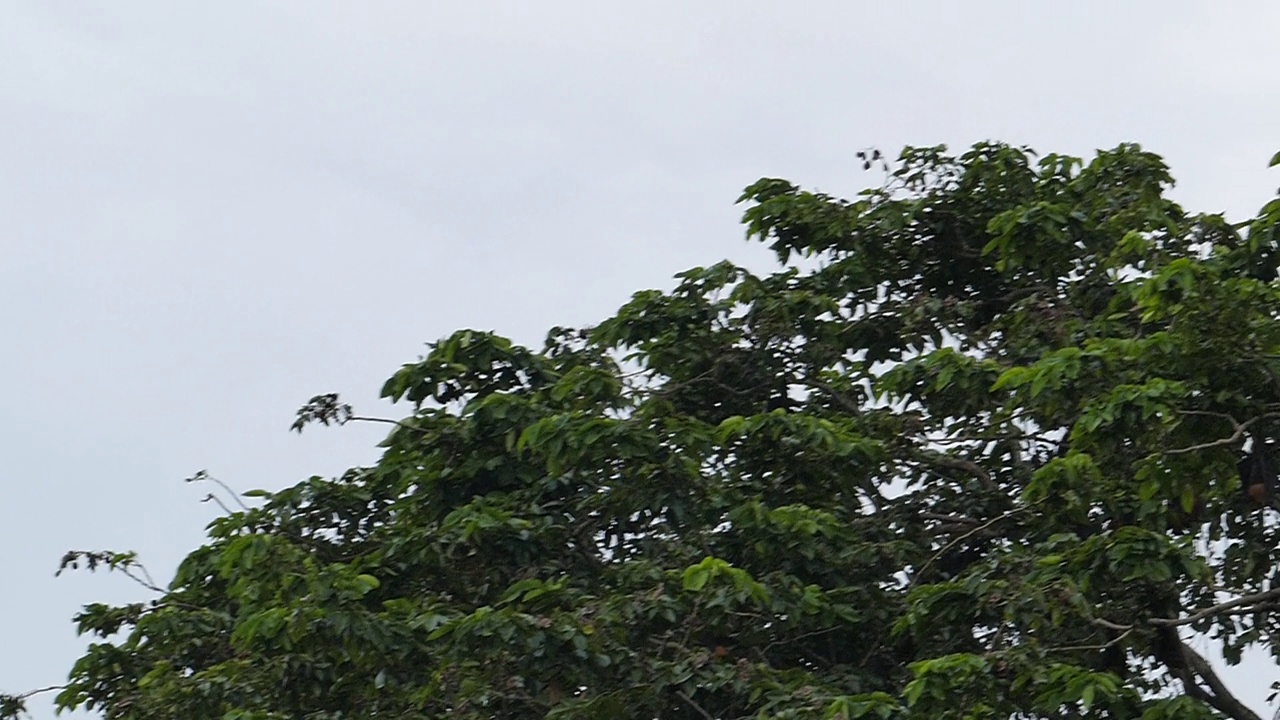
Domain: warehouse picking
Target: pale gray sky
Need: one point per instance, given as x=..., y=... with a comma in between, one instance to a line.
x=212, y=211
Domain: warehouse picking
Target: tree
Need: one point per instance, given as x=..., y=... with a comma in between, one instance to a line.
x=971, y=451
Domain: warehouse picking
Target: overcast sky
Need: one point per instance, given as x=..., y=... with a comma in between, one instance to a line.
x=212, y=211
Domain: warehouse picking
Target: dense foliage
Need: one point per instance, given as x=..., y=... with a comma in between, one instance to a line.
x=972, y=451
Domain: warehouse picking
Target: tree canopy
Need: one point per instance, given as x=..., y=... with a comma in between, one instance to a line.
x=976, y=448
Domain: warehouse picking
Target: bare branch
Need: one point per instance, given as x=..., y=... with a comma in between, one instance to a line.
x=1111, y=625
x=943, y=517
x=955, y=463
x=385, y=421
x=698, y=708
x=1100, y=646
x=1235, y=438
x=1247, y=603
x=218, y=501
x=998, y=437
x=946, y=548
x=843, y=400
x=204, y=476
x=40, y=691
x=1216, y=694
x=148, y=583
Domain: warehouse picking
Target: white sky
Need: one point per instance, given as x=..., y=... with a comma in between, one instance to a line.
x=212, y=211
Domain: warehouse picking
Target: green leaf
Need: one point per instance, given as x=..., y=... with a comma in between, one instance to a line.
x=1087, y=696
x=944, y=377
x=913, y=691
x=1039, y=383
x=695, y=578
x=1188, y=499
x=1013, y=377
x=1148, y=489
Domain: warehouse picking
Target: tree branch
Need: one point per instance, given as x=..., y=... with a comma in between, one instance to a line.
x=1186, y=664
x=943, y=517
x=843, y=400
x=39, y=691
x=1216, y=695
x=386, y=421
x=1099, y=646
x=1235, y=437
x=701, y=710
x=204, y=476
x=984, y=526
x=955, y=463
x=1220, y=608
x=1111, y=625
x=218, y=501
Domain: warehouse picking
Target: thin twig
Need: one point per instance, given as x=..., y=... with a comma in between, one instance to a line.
x=798, y=638
x=204, y=476
x=943, y=517
x=701, y=711
x=148, y=583
x=386, y=421
x=1111, y=625
x=955, y=463
x=234, y=495
x=946, y=548
x=836, y=395
x=217, y=500
x=39, y=691
x=1103, y=646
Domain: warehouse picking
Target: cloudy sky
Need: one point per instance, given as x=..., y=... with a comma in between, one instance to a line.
x=212, y=211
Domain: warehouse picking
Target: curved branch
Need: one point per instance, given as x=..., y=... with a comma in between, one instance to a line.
x=1220, y=608
x=698, y=708
x=39, y=691
x=843, y=400
x=204, y=476
x=1216, y=694
x=946, y=548
x=1239, y=429
x=955, y=463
